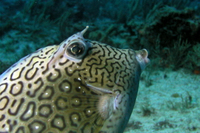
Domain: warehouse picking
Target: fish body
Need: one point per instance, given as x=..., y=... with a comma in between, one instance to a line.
x=79, y=86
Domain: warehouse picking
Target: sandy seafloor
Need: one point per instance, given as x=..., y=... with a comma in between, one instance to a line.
x=172, y=104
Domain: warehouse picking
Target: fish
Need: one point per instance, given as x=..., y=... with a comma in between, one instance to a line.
x=78, y=86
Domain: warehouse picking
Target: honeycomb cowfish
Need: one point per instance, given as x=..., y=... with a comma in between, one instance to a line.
x=79, y=86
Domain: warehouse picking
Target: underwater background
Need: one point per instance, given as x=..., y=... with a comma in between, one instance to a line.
x=168, y=100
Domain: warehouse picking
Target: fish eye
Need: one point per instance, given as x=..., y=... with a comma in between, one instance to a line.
x=76, y=50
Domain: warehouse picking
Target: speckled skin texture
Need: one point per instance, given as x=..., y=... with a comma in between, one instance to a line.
x=79, y=86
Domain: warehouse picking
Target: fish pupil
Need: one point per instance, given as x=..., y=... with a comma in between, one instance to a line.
x=75, y=49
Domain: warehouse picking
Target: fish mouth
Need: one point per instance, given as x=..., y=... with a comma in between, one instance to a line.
x=142, y=58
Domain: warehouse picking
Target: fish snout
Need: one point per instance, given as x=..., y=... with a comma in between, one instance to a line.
x=142, y=58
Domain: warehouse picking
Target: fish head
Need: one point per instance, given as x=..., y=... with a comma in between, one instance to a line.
x=111, y=74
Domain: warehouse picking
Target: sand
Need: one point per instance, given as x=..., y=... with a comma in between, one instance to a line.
x=167, y=102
